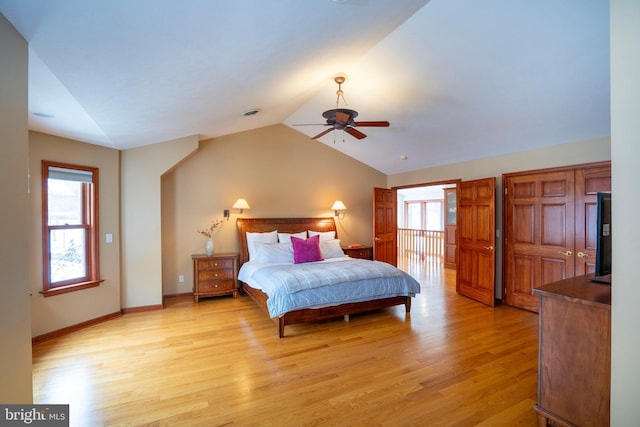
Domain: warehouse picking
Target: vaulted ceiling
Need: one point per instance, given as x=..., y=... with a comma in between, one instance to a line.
x=457, y=79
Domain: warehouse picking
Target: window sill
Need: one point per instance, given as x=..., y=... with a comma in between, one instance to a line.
x=70, y=288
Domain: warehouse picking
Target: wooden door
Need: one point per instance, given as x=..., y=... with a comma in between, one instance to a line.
x=475, y=273
x=450, y=215
x=385, y=229
x=550, y=227
x=589, y=182
x=539, y=234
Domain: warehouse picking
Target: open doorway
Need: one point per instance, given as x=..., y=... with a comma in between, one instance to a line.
x=427, y=229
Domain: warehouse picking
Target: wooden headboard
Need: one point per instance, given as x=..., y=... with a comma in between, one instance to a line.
x=283, y=225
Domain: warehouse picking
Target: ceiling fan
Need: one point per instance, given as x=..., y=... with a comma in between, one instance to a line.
x=344, y=118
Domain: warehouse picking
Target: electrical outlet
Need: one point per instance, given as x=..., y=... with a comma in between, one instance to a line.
x=181, y=278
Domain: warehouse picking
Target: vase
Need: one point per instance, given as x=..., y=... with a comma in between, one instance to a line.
x=209, y=247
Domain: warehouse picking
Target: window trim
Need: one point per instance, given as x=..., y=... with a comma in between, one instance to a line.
x=423, y=212
x=90, y=225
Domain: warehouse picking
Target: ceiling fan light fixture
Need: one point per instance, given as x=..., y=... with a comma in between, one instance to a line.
x=343, y=118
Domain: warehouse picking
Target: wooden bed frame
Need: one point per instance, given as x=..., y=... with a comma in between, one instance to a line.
x=296, y=225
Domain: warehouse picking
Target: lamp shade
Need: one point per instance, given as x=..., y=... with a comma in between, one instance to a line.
x=338, y=206
x=241, y=204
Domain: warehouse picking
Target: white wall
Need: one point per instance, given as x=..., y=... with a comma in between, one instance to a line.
x=15, y=339
x=625, y=153
x=142, y=169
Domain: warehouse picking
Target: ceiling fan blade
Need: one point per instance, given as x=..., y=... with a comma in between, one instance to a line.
x=380, y=124
x=321, y=134
x=355, y=133
x=342, y=117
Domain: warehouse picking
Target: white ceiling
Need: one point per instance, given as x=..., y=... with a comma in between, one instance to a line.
x=457, y=79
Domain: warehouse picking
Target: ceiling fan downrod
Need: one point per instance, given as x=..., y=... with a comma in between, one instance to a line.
x=339, y=92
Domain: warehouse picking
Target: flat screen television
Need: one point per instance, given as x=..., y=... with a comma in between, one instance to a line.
x=603, y=242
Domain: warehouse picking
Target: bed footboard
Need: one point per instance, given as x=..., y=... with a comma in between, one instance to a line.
x=314, y=314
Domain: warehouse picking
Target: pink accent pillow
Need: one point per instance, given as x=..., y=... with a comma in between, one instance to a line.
x=306, y=250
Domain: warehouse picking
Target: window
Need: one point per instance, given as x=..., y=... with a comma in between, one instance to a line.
x=424, y=215
x=69, y=228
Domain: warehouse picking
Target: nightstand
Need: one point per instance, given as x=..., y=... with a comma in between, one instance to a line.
x=215, y=275
x=363, y=252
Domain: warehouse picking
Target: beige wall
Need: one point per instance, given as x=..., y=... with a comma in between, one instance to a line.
x=559, y=155
x=15, y=339
x=59, y=311
x=281, y=173
x=566, y=154
x=625, y=152
x=142, y=169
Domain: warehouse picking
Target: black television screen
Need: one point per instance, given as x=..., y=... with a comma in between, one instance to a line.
x=603, y=243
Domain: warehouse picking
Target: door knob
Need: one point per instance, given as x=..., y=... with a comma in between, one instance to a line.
x=375, y=239
x=565, y=253
x=582, y=255
x=489, y=248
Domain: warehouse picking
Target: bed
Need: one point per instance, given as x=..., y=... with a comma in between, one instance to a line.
x=346, y=292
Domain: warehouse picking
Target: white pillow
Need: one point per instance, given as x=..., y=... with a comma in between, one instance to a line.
x=331, y=248
x=286, y=237
x=324, y=235
x=273, y=252
x=253, y=238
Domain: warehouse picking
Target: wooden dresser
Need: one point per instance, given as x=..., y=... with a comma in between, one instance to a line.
x=574, y=353
x=215, y=275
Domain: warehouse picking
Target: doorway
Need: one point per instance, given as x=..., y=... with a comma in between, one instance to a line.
x=475, y=236
x=426, y=218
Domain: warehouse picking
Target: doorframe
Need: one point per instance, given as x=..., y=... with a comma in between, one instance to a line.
x=455, y=182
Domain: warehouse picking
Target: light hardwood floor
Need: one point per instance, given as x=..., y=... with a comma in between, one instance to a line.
x=452, y=362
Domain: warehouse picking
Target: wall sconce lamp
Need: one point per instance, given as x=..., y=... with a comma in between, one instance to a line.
x=339, y=209
x=240, y=205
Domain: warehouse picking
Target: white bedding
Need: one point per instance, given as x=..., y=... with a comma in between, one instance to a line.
x=250, y=267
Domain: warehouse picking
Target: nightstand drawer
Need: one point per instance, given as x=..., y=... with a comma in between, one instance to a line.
x=365, y=252
x=215, y=264
x=216, y=285
x=215, y=274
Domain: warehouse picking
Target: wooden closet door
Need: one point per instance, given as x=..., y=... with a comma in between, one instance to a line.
x=539, y=234
x=589, y=182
